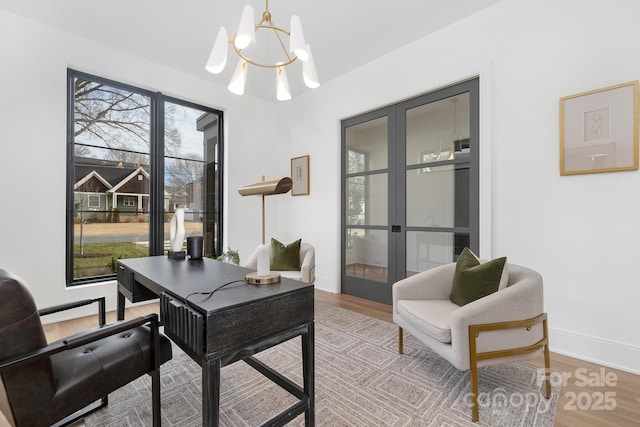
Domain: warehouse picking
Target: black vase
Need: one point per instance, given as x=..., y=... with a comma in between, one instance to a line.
x=194, y=247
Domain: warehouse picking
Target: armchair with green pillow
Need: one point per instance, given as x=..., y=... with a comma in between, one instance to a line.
x=296, y=260
x=474, y=313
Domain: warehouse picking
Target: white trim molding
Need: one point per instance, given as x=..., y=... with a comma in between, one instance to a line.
x=597, y=350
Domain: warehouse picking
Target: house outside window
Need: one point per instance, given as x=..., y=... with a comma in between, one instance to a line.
x=133, y=156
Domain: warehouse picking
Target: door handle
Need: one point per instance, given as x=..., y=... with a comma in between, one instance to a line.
x=396, y=229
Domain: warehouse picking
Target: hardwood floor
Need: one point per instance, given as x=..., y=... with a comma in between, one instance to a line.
x=580, y=398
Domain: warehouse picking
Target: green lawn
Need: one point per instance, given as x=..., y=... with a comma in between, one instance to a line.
x=101, y=258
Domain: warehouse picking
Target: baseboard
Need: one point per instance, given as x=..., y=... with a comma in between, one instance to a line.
x=595, y=350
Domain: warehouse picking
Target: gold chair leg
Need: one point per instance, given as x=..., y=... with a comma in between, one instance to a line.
x=547, y=363
x=473, y=365
x=400, y=341
x=475, y=413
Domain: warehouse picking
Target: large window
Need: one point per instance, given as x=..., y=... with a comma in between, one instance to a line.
x=134, y=157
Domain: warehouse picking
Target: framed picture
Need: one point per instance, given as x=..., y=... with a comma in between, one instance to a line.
x=599, y=130
x=300, y=175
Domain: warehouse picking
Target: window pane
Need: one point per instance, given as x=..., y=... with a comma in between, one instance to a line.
x=110, y=117
x=184, y=188
x=111, y=177
x=111, y=216
x=367, y=254
x=191, y=136
x=427, y=250
x=430, y=197
x=367, y=146
x=367, y=200
x=438, y=130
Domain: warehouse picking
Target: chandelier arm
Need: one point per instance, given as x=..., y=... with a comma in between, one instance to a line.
x=284, y=49
x=277, y=30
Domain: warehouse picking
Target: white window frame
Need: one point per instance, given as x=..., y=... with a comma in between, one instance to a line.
x=91, y=197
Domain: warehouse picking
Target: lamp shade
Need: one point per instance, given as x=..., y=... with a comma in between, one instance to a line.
x=282, y=85
x=246, y=30
x=297, y=44
x=218, y=56
x=267, y=188
x=239, y=78
x=309, y=73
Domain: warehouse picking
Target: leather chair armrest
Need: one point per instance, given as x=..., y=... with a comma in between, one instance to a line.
x=68, y=306
x=433, y=284
x=81, y=339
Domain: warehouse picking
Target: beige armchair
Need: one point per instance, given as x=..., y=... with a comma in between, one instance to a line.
x=505, y=326
x=307, y=271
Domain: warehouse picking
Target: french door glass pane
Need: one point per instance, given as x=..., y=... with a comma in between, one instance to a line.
x=427, y=250
x=367, y=146
x=112, y=135
x=187, y=175
x=366, y=254
x=431, y=196
x=367, y=198
x=438, y=130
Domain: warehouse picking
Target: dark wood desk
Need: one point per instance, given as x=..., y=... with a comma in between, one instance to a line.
x=233, y=323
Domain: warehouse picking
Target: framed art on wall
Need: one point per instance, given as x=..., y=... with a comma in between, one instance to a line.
x=300, y=175
x=599, y=130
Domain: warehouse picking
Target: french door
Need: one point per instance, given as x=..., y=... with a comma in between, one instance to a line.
x=409, y=188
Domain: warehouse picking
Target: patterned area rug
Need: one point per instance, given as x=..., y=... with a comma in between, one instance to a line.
x=361, y=380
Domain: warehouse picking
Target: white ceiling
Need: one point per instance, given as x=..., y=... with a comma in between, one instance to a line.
x=343, y=34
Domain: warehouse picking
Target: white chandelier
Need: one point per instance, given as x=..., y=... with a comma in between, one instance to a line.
x=246, y=34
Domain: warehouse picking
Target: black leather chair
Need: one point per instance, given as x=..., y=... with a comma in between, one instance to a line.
x=58, y=383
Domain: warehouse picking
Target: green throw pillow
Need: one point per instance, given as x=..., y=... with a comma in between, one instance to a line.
x=473, y=280
x=285, y=258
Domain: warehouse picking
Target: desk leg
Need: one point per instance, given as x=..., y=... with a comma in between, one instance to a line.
x=120, y=306
x=308, y=373
x=211, y=393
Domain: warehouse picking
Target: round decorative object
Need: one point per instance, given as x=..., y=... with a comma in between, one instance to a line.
x=268, y=279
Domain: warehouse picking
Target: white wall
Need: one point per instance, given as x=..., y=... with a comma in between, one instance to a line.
x=579, y=232
x=35, y=59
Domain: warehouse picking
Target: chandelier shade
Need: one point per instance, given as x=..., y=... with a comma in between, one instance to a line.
x=239, y=78
x=309, y=73
x=282, y=85
x=218, y=56
x=246, y=35
x=246, y=31
x=297, y=44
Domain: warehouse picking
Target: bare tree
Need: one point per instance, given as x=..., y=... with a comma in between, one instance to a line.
x=119, y=118
x=81, y=151
x=182, y=172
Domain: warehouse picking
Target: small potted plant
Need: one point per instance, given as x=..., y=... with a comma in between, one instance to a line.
x=230, y=256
